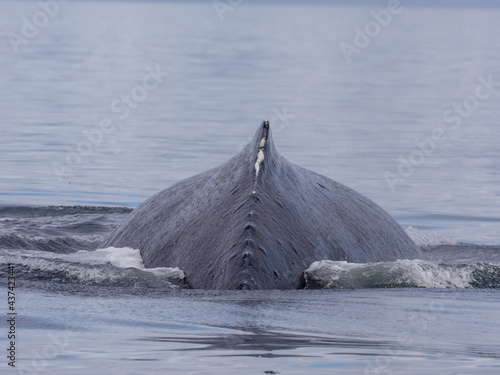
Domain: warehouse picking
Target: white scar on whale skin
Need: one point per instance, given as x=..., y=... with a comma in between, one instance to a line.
x=260, y=156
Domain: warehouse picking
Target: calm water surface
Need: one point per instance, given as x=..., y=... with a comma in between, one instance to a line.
x=356, y=122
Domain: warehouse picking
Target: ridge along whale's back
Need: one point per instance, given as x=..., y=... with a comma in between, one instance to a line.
x=257, y=222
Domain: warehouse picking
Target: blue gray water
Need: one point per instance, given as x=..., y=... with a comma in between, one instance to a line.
x=103, y=104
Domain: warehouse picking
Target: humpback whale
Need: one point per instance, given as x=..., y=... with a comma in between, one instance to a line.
x=257, y=222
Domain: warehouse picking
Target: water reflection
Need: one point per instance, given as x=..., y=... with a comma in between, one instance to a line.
x=262, y=343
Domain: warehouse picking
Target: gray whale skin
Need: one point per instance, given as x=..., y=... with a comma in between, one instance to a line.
x=258, y=222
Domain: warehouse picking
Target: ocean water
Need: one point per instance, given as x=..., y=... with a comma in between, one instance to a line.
x=103, y=104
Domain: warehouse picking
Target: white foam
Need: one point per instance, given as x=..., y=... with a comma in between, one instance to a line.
x=433, y=275
x=422, y=238
x=72, y=270
x=124, y=257
x=77, y=264
x=415, y=273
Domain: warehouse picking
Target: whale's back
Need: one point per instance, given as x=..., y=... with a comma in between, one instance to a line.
x=257, y=222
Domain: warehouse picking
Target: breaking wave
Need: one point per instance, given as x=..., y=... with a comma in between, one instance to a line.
x=107, y=267
x=328, y=274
